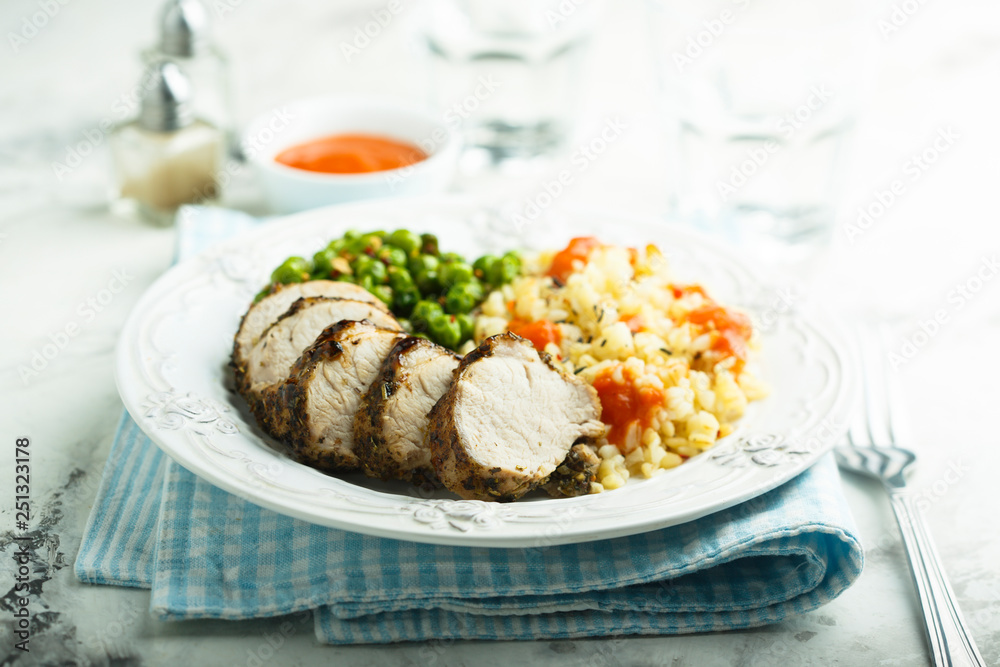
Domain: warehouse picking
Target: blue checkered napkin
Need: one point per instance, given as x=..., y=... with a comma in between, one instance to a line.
x=206, y=553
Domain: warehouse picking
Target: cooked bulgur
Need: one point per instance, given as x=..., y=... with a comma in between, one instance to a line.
x=667, y=360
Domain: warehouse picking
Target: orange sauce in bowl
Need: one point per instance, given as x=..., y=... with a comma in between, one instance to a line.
x=351, y=154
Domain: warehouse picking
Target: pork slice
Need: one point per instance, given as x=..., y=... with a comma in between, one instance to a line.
x=265, y=312
x=390, y=428
x=508, y=420
x=575, y=474
x=272, y=357
x=313, y=410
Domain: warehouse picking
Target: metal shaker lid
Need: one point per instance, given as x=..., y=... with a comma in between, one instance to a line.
x=166, y=95
x=184, y=28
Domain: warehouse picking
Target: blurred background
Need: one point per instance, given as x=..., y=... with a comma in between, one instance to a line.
x=854, y=145
x=900, y=76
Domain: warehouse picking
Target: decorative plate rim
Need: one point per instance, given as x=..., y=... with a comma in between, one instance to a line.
x=208, y=435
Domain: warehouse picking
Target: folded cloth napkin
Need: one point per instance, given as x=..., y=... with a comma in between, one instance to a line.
x=205, y=553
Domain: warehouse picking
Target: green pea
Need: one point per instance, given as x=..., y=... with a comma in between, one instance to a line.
x=425, y=310
x=429, y=244
x=375, y=269
x=261, y=294
x=404, y=301
x=514, y=256
x=427, y=282
x=366, y=244
x=482, y=266
x=292, y=270
x=423, y=263
x=400, y=278
x=463, y=297
x=504, y=271
x=467, y=325
x=455, y=272
x=391, y=256
x=510, y=266
x=361, y=262
x=449, y=257
x=405, y=240
x=384, y=293
x=445, y=330
x=323, y=263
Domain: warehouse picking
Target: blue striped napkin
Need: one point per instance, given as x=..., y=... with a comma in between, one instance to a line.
x=207, y=554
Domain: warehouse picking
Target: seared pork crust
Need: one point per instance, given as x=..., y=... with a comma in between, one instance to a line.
x=391, y=426
x=545, y=412
x=298, y=411
x=574, y=475
x=279, y=298
x=323, y=311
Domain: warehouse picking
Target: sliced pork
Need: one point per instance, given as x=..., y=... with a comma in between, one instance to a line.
x=313, y=410
x=265, y=312
x=391, y=425
x=575, y=474
x=271, y=359
x=508, y=421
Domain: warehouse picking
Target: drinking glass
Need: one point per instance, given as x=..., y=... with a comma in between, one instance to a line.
x=759, y=97
x=508, y=71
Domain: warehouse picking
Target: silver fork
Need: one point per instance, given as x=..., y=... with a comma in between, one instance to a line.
x=873, y=451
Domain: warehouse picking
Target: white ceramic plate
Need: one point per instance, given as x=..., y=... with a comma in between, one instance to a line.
x=173, y=377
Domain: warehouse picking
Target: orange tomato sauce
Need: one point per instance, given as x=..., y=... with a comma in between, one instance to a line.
x=578, y=249
x=733, y=329
x=628, y=410
x=540, y=333
x=351, y=154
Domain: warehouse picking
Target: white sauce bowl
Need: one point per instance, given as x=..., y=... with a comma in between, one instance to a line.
x=289, y=190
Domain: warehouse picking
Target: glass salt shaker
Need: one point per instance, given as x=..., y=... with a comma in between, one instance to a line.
x=167, y=156
x=185, y=38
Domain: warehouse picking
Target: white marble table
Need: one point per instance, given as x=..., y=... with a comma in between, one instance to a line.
x=62, y=252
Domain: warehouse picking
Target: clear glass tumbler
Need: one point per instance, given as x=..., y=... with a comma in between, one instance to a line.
x=508, y=71
x=759, y=98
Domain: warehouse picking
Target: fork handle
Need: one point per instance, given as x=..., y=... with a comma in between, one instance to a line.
x=949, y=638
